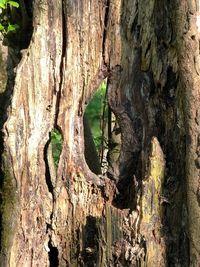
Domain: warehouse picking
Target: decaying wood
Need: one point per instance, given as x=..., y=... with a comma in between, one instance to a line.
x=148, y=212
x=152, y=210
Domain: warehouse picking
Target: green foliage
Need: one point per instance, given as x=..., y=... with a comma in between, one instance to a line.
x=4, y=4
x=56, y=141
x=6, y=24
x=94, y=112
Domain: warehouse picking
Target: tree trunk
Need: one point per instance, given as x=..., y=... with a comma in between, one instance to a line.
x=145, y=211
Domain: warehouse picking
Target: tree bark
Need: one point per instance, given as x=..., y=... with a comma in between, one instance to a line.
x=145, y=211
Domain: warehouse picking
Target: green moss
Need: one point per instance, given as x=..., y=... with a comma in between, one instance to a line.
x=9, y=211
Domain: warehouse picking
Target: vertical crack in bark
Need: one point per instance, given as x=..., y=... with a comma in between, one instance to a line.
x=52, y=152
x=49, y=164
x=64, y=46
x=51, y=160
x=47, y=167
x=53, y=255
x=106, y=19
x=51, y=173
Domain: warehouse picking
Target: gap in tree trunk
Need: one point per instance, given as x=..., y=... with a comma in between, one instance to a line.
x=53, y=255
x=52, y=152
x=102, y=134
x=96, y=131
x=56, y=141
x=89, y=255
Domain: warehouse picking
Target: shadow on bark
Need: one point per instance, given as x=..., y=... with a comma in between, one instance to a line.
x=53, y=256
x=145, y=106
x=89, y=255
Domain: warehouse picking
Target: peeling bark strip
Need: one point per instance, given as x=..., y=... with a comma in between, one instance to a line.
x=147, y=212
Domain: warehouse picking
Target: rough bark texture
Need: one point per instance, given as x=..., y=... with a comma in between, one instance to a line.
x=146, y=212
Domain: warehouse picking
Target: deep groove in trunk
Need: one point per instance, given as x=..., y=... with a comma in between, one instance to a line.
x=62, y=60
x=53, y=255
x=47, y=167
x=106, y=19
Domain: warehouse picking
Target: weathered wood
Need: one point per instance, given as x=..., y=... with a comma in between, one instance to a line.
x=26, y=133
x=149, y=205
